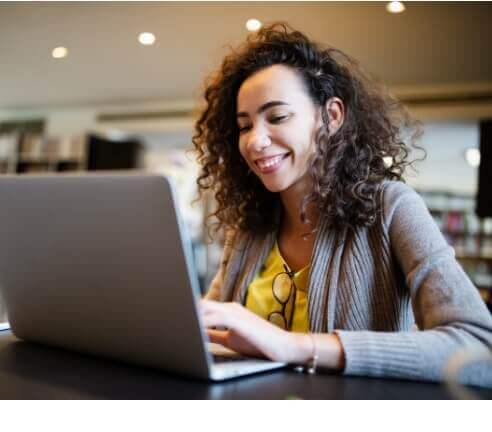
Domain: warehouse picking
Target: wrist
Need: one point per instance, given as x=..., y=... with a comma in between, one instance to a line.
x=326, y=347
x=339, y=353
x=301, y=348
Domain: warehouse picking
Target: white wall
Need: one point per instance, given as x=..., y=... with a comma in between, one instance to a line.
x=445, y=167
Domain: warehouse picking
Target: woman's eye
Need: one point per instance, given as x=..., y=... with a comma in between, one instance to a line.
x=274, y=120
x=278, y=119
x=243, y=128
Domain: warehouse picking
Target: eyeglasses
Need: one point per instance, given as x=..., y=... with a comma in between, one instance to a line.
x=284, y=291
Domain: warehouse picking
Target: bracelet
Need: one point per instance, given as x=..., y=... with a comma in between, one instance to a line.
x=313, y=363
x=311, y=366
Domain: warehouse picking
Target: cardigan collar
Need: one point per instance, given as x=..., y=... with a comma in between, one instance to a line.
x=251, y=250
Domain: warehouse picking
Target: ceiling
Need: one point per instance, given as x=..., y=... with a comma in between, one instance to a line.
x=430, y=44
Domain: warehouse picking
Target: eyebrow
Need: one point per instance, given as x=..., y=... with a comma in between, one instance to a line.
x=264, y=107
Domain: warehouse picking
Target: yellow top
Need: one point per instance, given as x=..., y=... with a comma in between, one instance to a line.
x=260, y=298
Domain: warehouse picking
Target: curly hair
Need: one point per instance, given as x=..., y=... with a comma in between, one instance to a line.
x=347, y=166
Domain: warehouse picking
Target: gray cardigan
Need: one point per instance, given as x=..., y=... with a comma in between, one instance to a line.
x=372, y=286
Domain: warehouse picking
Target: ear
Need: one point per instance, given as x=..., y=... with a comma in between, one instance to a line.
x=336, y=113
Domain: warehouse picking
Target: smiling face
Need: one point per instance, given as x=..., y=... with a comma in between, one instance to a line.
x=277, y=123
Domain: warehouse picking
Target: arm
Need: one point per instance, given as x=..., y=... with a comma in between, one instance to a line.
x=250, y=334
x=447, y=307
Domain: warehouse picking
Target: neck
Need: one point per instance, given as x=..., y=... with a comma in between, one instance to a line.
x=292, y=204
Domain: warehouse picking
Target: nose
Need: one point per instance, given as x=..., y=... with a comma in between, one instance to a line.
x=258, y=139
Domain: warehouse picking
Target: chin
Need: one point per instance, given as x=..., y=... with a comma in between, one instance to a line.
x=275, y=187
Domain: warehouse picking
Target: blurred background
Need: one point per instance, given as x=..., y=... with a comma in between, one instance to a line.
x=109, y=85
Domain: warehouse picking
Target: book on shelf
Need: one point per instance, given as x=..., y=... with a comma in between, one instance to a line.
x=8, y=146
x=30, y=146
x=78, y=147
x=50, y=147
x=64, y=147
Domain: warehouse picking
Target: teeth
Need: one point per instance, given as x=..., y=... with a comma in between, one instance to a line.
x=267, y=163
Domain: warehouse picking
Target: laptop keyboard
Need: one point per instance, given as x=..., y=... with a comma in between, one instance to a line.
x=222, y=358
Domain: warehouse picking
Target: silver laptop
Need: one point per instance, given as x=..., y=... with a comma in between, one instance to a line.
x=102, y=264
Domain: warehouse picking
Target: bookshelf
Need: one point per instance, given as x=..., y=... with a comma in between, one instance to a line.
x=33, y=152
x=470, y=236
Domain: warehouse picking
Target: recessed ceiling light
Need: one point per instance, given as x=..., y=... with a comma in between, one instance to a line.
x=116, y=134
x=395, y=7
x=59, y=52
x=146, y=38
x=472, y=156
x=388, y=161
x=253, y=25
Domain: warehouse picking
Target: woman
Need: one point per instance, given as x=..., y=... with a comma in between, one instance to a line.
x=330, y=259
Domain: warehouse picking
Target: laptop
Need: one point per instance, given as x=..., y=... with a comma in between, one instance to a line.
x=102, y=264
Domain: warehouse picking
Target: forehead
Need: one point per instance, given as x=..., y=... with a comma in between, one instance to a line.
x=277, y=82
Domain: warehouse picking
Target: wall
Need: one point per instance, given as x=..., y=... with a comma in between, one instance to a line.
x=445, y=167
x=72, y=120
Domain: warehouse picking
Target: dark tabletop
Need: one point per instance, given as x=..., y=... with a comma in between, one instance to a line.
x=32, y=371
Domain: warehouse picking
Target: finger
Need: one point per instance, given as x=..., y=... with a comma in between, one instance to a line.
x=208, y=306
x=217, y=336
x=215, y=314
x=208, y=303
x=214, y=320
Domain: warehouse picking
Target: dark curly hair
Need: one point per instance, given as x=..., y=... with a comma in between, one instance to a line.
x=347, y=167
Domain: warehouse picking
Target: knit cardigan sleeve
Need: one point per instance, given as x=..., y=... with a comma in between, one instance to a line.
x=450, y=315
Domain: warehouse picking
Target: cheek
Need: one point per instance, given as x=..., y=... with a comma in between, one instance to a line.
x=311, y=142
x=304, y=145
x=243, y=154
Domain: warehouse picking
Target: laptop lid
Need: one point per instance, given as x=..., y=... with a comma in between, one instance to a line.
x=100, y=263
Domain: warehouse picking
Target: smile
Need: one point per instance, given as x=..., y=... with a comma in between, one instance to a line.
x=271, y=164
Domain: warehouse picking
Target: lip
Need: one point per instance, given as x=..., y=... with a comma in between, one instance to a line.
x=272, y=168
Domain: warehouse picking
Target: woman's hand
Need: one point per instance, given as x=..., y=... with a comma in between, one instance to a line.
x=246, y=332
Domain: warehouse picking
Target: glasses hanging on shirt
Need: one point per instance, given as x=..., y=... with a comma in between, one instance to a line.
x=284, y=292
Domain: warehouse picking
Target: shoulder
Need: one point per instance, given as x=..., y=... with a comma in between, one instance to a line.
x=230, y=239
x=397, y=195
x=235, y=240
x=392, y=190
x=217, y=282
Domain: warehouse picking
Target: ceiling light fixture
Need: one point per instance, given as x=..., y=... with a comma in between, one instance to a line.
x=146, y=38
x=388, y=161
x=59, y=52
x=395, y=7
x=253, y=25
x=472, y=156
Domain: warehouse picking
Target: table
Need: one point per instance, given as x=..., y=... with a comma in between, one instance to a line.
x=32, y=371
